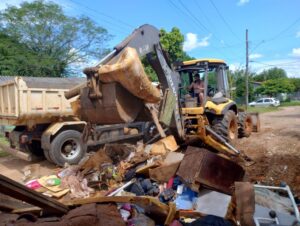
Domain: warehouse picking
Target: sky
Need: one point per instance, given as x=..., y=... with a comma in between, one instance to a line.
x=212, y=28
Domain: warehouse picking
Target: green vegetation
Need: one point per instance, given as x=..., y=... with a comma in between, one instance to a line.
x=172, y=43
x=3, y=141
x=290, y=103
x=38, y=39
x=273, y=87
x=262, y=109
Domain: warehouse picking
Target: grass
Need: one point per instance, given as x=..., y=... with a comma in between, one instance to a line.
x=262, y=109
x=291, y=103
x=4, y=142
x=270, y=109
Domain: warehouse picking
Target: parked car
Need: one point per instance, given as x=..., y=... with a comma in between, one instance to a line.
x=265, y=102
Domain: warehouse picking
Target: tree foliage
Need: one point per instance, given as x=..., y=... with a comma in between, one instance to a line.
x=296, y=83
x=273, y=87
x=51, y=40
x=273, y=73
x=172, y=43
x=238, y=80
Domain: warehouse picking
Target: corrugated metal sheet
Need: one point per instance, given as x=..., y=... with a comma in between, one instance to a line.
x=47, y=82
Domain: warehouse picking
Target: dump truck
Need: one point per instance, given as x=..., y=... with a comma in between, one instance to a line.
x=42, y=117
x=45, y=125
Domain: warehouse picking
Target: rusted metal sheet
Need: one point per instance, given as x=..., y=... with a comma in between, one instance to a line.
x=19, y=191
x=117, y=105
x=200, y=166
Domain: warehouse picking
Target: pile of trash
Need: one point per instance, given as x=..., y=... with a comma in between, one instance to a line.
x=157, y=184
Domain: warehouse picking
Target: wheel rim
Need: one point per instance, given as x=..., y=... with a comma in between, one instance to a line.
x=70, y=149
x=232, y=130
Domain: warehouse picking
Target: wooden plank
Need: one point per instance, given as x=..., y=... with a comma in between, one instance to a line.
x=9, y=203
x=21, y=192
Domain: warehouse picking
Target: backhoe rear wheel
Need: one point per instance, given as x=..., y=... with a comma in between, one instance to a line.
x=227, y=126
x=245, y=124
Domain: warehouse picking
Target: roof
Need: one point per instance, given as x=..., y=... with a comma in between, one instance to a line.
x=46, y=82
x=209, y=60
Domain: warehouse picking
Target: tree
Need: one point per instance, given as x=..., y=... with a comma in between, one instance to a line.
x=57, y=41
x=273, y=87
x=296, y=83
x=172, y=43
x=273, y=73
x=237, y=79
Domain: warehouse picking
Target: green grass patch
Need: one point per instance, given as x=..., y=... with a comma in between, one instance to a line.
x=4, y=142
x=262, y=109
x=291, y=103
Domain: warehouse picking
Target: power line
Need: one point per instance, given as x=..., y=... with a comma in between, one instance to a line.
x=224, y=20
x=105, y=15
x=277, y=35
x=194, y=17
x=118, y=29
x=197, y=21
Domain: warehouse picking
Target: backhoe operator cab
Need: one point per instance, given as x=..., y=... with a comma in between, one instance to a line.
x=216, y=105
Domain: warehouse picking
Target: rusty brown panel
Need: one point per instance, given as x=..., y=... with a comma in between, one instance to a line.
x=201, y=166
x=116, y=106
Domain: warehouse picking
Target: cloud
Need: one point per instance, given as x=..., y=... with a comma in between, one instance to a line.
x=242, y=2
x=191, y=42
x=235, y=66
x=296, y=52
x=255, y=56
x=298, y=34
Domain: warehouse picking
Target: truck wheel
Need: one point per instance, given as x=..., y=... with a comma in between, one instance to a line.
x=245, y=124
x=47, y=155
x=35, y=148
x=67, y=147
x=226, y=126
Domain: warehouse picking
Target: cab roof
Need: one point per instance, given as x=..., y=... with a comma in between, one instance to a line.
x=203, y=60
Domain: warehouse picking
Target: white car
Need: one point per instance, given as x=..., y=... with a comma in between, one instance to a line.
x=265, y=102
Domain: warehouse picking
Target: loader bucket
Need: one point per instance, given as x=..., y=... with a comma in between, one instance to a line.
x=129, y=72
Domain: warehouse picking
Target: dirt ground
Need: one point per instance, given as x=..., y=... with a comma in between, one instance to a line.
x=276, y=151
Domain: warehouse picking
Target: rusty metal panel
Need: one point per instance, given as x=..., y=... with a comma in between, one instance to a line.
x=200, y=166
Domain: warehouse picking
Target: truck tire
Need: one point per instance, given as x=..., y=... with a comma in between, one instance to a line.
x=67, y=147
x=245, y=125
x=227, y=126
x=35, y=148
x=47, y=155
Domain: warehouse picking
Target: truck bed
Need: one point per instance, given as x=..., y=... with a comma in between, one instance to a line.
x=31, y=100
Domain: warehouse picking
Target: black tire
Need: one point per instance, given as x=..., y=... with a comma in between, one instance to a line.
x=35, y=148
x=227, y=126
x=67, y=147
x=47, y=155
x=245, y=124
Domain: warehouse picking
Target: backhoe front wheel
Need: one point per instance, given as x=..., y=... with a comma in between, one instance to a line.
x=67, y=147
x=227, y=126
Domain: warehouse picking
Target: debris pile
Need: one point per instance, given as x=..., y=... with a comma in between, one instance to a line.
x=157, y=184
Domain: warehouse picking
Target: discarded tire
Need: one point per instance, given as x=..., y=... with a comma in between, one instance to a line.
x=67, y=147
x=227, y=126
x=245, y=124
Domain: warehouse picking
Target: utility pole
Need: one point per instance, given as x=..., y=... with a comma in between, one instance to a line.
x=247, y=70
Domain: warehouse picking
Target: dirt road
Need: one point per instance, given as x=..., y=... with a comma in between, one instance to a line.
x=276, y=149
